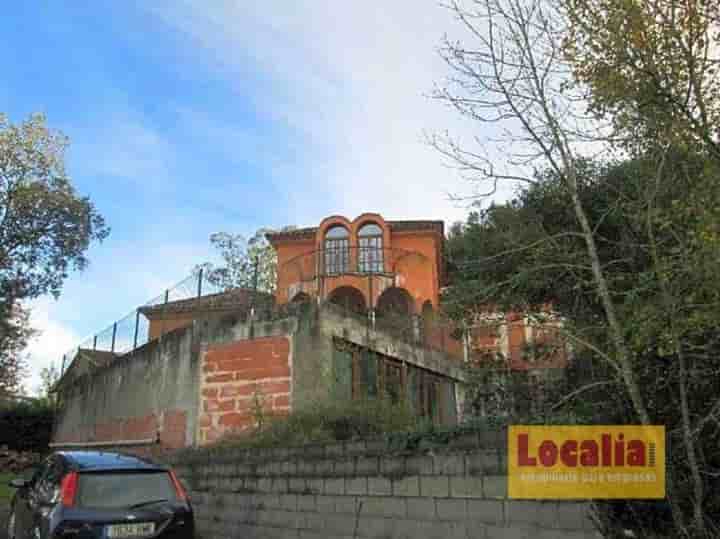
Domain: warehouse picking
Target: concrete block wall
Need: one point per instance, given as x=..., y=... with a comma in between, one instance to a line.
x=368, y=490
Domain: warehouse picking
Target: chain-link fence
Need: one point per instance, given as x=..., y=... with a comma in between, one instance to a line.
x=133, y=330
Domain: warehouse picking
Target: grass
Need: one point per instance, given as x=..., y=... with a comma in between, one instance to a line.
x=6, y=492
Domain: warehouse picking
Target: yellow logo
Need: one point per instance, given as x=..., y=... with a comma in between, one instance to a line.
x=578, y=462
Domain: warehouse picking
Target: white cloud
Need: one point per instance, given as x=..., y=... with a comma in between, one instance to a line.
x=347, y=81
x=352, y=78
x=47, y=347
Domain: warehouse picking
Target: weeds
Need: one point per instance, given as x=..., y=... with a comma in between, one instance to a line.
x=325, y=423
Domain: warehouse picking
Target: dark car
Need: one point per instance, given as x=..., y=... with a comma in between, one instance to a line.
x=97, y=495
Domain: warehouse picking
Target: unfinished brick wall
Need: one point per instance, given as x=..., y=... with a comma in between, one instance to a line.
x=240, y=380
x=369, y=490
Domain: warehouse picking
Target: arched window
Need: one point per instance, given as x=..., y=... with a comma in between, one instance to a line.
x=370, y=238
x=337, y=250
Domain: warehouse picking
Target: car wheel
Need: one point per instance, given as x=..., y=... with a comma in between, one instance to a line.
x=11, y=525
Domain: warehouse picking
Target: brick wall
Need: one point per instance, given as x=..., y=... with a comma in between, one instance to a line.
x=238, y=379
x=366, y=490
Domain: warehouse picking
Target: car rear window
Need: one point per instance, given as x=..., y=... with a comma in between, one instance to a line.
x=122, y=489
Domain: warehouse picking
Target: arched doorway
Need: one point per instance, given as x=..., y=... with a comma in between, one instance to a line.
x=393, y=313
x=349, y=298
x=300, y=297
x=428, y=322
x=395, y=301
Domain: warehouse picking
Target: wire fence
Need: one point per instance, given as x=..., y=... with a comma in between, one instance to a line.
x=133, y=330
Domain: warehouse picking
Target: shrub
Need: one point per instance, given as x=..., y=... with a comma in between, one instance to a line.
x=26, y=426
x=328, y=422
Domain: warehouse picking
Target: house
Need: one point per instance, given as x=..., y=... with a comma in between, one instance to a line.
x=354, y=316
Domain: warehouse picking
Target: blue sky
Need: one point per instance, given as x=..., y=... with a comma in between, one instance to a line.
x=187, y=118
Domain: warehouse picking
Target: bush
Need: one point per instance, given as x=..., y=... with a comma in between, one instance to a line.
x=324, y=423
x=27, y=426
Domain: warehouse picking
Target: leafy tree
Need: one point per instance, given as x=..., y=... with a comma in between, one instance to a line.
x=660, y=261
x=45, y=229
x=240, y=257
x=624, y=250
x=14, y=334
x=48, y=376
x=651, y=66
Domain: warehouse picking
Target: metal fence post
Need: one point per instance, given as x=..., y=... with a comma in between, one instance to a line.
x=137, y=326
x=164, y=313
x=200, y=279
x=254, y=297
x=112, y=346
x=94, y=342
x=62, y=365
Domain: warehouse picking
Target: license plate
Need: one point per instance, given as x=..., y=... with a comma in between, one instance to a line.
x=136, y=529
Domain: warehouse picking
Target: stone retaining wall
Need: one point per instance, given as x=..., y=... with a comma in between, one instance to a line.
x=368, y=490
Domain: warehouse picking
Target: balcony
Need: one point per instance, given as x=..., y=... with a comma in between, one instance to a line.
x=356, y=261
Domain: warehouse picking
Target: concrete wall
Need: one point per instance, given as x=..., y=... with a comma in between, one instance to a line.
x=200, y=383
x=368, y=490
x=149, y=392
x=334, y=323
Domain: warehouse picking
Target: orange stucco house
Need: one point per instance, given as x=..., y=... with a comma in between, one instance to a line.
x=364, y=264
x=356, y=315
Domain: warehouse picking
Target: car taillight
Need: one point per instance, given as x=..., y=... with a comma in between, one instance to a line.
x=68, y=489
x=181, y=494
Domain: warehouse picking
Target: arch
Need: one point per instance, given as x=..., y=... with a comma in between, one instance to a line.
x=328, y=223
x=395, y=301
x=370, y=229
x=300, y=297
x=336, y=250
x=349, y=298
x=337, y=232
x=370, y=248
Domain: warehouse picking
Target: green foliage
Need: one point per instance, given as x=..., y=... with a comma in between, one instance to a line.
x=240, y=255
x=6, y=492
x=651, y=66
x=656, y=228
x=327, y=422
x=14, y=334
x=27, y=426
x=45, y=229
x=48, y=376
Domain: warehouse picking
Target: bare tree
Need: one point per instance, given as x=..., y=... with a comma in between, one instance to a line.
x=515, y=75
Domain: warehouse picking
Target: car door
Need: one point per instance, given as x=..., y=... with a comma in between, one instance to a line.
x=23, y=509
x=44, y=496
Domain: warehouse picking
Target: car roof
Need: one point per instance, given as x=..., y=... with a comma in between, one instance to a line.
x=102, y=460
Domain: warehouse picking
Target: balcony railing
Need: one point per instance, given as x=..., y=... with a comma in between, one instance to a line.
x=361, y=261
